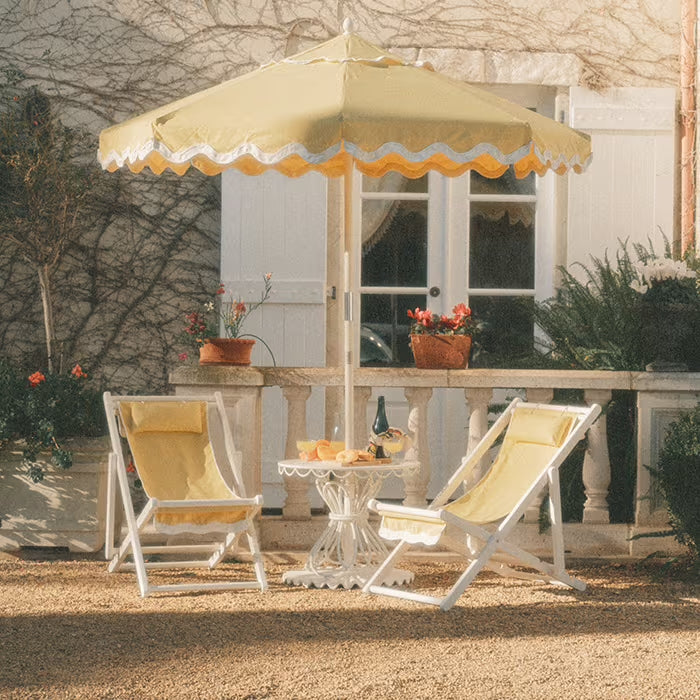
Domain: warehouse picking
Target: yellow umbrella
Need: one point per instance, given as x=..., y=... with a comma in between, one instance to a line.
x=344, y=104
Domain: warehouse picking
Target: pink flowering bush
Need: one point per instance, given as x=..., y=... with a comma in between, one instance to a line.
x=228, y=315
x=425, y=322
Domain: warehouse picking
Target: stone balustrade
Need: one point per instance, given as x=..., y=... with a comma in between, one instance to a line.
x=242, y=388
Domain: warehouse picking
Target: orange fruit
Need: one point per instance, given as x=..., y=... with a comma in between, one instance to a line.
x=326, y=453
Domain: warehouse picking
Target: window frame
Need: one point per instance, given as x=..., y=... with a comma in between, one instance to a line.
x=449, y=209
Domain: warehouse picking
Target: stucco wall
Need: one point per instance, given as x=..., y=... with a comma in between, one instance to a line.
x=103, y=61
x=125, y=55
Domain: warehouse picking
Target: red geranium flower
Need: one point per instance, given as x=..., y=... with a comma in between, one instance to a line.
x=427, y=322
x=36, y=379
x=78, y=373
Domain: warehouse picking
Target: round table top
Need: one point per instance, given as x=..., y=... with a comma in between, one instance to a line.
x=302, y=467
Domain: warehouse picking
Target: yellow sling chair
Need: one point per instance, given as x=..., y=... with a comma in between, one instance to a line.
x=538, y=438
x=169, y=440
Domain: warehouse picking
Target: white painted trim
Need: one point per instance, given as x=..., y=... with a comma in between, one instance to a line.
x=139, y=154
x=283, y=291
x=623, y=109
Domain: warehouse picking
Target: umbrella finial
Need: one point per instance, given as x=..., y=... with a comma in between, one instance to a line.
x=348, y=26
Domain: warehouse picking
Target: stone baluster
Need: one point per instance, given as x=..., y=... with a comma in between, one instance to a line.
x=478, y=400
x=537, y=395
x=417, y=484
x=297, y=505
x=362, y=396
x=596, y=463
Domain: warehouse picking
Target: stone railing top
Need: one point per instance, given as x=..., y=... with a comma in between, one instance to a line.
x=666, y=381
x=211, y=375
x=410, y=376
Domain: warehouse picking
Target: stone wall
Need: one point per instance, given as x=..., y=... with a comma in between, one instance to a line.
x=122, y=293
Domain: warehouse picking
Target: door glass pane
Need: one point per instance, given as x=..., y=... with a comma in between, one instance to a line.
x=506, y=184
x=394, y=243
x=507, y=330
x=502, y=245
x=384, y=333
x=394, y=182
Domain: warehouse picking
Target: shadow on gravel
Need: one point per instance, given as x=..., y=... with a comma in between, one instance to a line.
x=77, y=645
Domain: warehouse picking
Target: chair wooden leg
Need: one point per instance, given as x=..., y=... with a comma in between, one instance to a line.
x=224, y=547
x=257, y=557
x=110, y=515
x=386, y=565
x=132, y=542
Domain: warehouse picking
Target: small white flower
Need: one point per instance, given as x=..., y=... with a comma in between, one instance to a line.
x=209, y=306
x=638, y=287
x=663, y=269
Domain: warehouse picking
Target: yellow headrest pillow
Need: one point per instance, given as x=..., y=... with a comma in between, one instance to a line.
x=166, y=416
x=539, y=427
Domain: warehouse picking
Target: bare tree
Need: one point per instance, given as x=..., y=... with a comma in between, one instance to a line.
x=44, y=189
x=120, y=290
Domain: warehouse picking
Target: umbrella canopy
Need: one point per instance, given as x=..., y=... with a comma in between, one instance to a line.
x=344, y=104
x=346, y=96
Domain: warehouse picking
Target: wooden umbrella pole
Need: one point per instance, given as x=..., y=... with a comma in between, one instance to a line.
x=348, y=298
x=688, y=60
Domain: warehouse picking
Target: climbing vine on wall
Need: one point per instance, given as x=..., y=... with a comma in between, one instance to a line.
x=121, y=287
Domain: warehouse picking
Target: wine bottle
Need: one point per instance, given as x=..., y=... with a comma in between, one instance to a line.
x=380, y=426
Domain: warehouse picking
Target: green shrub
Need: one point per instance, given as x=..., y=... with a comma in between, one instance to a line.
x=602, y=320
x=43, y=408
x=594, y=323
x=678, y=475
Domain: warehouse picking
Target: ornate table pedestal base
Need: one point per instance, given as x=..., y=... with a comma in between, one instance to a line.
x=334, y=577
x=349, y=551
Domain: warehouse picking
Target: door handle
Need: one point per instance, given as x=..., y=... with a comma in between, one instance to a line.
x=434, y=292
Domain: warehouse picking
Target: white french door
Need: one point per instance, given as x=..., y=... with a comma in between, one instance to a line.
x=401, y=248
x=435, y=242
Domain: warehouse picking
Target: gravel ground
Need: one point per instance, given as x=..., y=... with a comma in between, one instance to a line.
x=68, y=629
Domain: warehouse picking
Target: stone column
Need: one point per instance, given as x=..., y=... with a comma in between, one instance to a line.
x=596, y=463
x=478, y=400
x=417, y=484
x=537, y=395
x=297, y=505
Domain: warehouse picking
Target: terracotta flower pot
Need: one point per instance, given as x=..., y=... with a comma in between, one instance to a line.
x=441, y=351
x=226, y=351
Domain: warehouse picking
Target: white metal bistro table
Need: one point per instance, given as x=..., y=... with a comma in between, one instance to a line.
x=349, y=551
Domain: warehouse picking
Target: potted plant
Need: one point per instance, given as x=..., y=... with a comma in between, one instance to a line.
x=204, y=328
x=440, y=341
x=53, y=460
x=670, y=313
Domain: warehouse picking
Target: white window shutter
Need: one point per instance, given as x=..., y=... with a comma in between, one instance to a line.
x=627, y=192
x=271, y=223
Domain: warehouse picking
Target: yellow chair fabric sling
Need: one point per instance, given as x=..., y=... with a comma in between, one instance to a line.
x=169, y=441
x=536, y=440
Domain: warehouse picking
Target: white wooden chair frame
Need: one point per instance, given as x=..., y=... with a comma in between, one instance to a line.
x=117, y=482
x=494, y=540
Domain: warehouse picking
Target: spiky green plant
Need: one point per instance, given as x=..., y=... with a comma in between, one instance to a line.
x=593, y=323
